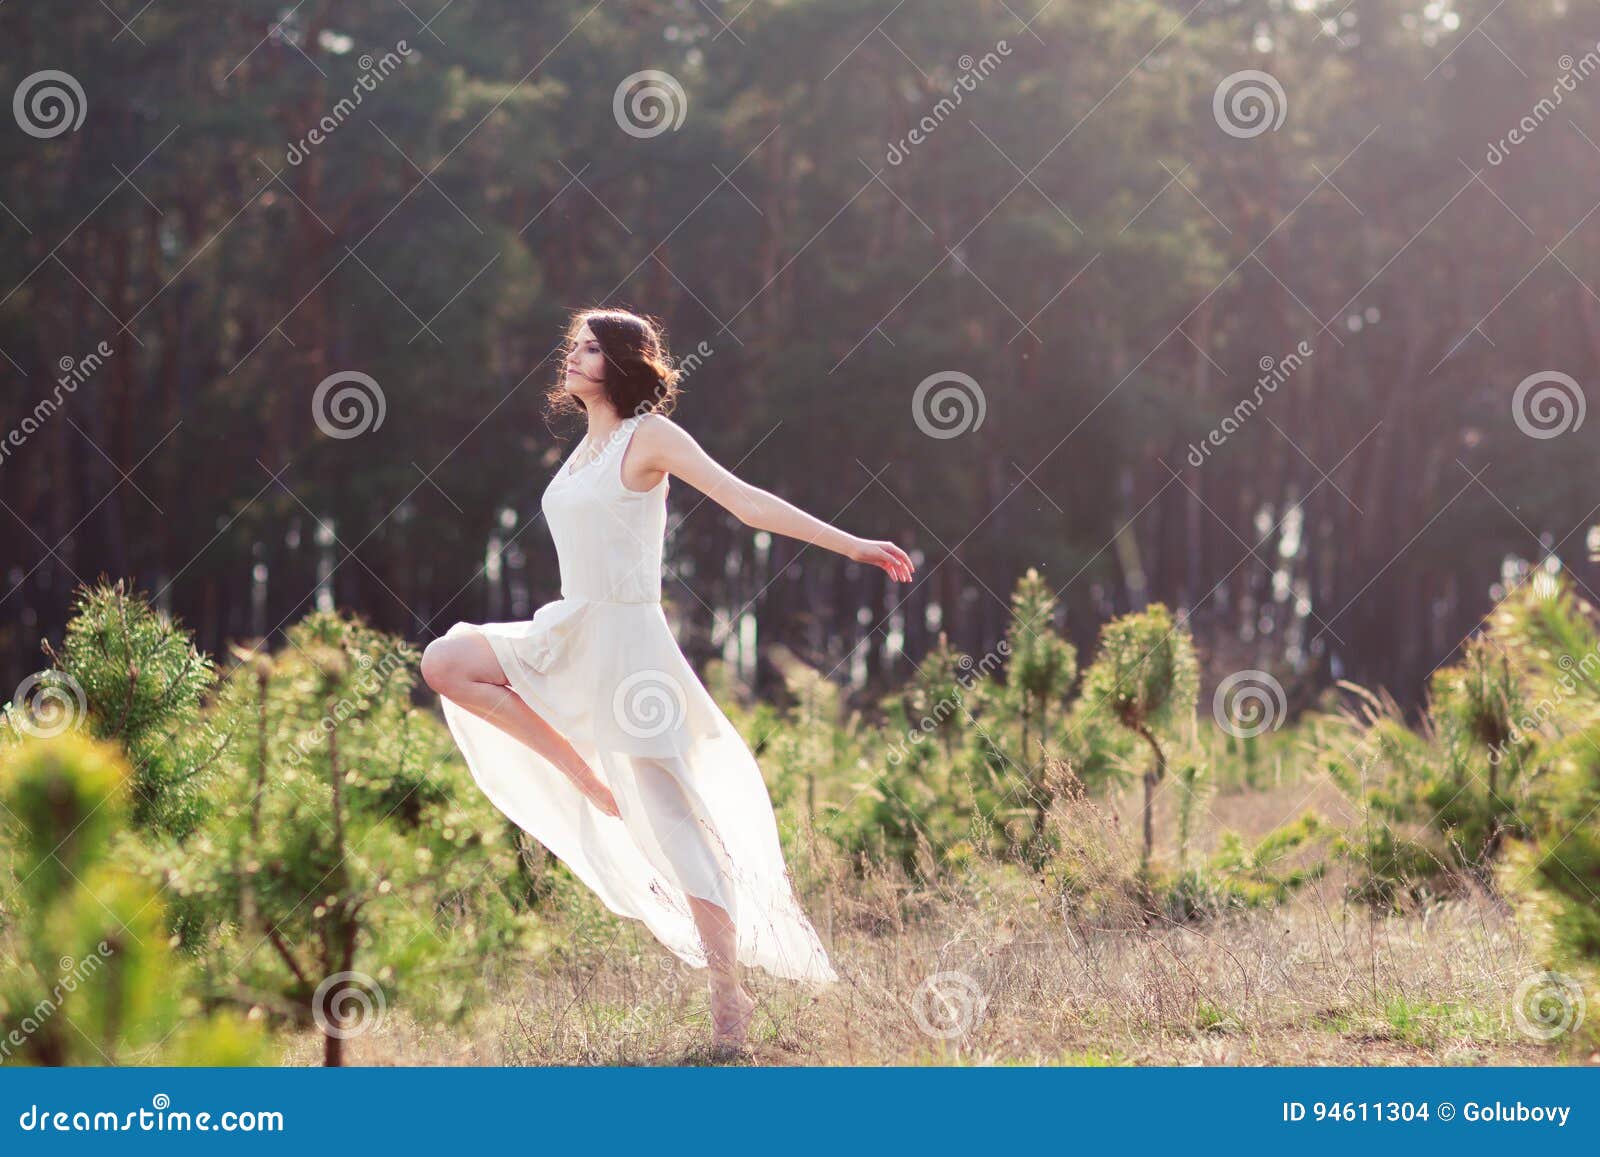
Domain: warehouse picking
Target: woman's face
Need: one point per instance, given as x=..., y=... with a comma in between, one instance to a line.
x=585, y=367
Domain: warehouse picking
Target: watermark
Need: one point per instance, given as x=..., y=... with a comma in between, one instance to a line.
x=47, y=703
x=348, y=1004
x=691, y=362
x=49, y=103
x=948, y=705
x=648, y=103
x=1548, y=404
x=1566, y=686
x=1274, y=372
x=1249, y=103
x=1247, y=703
x=948, y=404
x=649, y=703
x=948, y=1005
x=666, y=990
x=1548, y=1005
x=373, y=73
x=74, y=972
x=351, y=411
x=155, y=1119
x=620, y=433
x=1572, y=71
x=74, y=372
x=1279, y=975
x=368, y=684
x=972, y=71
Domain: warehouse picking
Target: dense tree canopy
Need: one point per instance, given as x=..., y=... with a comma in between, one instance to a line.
x=1252, y=307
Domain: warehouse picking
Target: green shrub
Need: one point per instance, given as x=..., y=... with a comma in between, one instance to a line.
x=1146, y=677
x=92, y=979
x=349, y=860
x=133, y=675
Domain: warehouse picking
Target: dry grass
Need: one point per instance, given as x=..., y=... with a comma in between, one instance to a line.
x=1317, y=981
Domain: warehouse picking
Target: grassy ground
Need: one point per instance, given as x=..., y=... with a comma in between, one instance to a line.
x=1317, y=981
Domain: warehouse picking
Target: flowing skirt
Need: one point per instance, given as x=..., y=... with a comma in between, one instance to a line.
x=697, y=819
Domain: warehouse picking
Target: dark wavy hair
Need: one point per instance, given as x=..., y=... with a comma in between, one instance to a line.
x=639, y=377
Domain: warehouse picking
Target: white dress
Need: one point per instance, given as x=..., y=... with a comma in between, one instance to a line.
x=601, y=666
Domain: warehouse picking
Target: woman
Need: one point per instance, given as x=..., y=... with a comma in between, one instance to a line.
x=587, y=726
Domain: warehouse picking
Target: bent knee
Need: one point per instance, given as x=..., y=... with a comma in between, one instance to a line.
x=441, y=670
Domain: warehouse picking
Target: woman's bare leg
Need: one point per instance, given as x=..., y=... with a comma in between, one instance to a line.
x=464, y=670
x=731, y=1005
x=676, y=830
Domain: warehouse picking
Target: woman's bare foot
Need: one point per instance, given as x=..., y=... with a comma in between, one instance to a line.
x=732, y=1010
x=594, y=791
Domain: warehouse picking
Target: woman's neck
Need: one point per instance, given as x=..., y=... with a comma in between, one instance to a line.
x=603, y=421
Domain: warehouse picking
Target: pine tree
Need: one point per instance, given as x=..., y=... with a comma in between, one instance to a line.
x=129, y=674
x=1041, y=669
x=1146, y=677
x=349, y=859
x=94, y=980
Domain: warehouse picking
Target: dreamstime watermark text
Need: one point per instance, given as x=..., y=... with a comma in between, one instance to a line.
x=73, y=973
x=373, y=73
x=74, y=372
x=367, y=685
x=1273, y=374
x=948, y=705
x=160, y=1117
x=1572, y=71
x=1534, y=720
x=972, y=71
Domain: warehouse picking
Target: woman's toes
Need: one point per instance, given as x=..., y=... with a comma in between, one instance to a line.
x=731, y=1014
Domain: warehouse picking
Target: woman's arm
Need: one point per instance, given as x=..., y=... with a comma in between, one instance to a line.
x=661, y=446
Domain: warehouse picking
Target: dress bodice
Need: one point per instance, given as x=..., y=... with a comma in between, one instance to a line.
x=608, y=538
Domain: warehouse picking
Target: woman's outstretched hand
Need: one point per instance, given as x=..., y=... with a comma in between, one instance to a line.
x=896, y=562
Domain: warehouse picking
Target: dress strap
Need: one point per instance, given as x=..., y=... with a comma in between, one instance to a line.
x=584, y=458
x=624, y=436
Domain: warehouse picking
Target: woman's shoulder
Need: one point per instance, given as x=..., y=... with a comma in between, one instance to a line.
x=662, y=442
x=657, y=428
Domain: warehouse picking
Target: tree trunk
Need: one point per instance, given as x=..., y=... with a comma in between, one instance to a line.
x=1151, y=777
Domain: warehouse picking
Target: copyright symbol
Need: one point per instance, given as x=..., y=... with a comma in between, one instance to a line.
x=1446, y=1111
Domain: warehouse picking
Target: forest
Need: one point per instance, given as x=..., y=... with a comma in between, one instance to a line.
x=1221, y=363
x=1122, y=257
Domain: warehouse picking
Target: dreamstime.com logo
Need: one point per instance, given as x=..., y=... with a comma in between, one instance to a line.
x=373, y=676
x=1249, y=103
x=73, y=973
x=948, y=705
x=373, y=73
x=665, y=992
x=46, y=704
x=948, y=404
x=74, y=372
x=1572, y=71
x=948, y=1005
x=49, y=103
x=649, y=703
x=1567, y=684
x=1274, y=373
x=350, y=411
x=692, y=361
x=160, y=1117
x=349, y=1004
x=1548, y=404
x=1247, y=703
x=1548, y=1005
x=648, y=103
x=972, y=71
